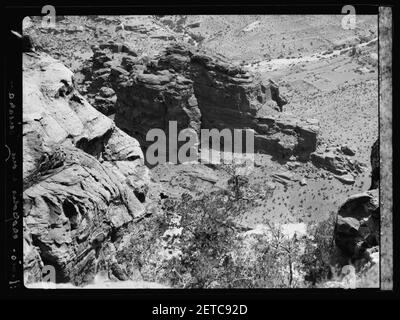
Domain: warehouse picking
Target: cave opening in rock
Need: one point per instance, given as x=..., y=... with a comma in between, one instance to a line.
x=140, y=195
x=71, y=213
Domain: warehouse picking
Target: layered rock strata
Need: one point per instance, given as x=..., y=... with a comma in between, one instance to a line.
x=200, y=91
x=340, y=162
x=84, y=179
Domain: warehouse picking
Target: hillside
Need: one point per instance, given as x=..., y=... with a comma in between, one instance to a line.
x=94, y=86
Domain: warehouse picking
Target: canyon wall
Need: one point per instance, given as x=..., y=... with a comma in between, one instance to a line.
x=198, y=91
x=84, y=179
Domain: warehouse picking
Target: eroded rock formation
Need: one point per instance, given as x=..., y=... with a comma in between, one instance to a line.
x=357, y=226
x=358, y=220
x=198, y=91
x=84, y=179
x=339, y=161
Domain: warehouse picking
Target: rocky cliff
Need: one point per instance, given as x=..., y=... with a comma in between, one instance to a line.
x=84, y=179
x=198, y=91
x=357, y=230
x=357, y=227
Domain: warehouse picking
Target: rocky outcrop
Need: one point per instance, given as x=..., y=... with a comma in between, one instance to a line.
x=156, y=99
x=228, y=96
x=200, y=91
x=284, y=135
x=84, y=179
x=357, y=226
x=102, y=71
x=338, y=160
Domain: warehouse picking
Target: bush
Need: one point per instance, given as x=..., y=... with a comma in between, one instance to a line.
x=207, y=237
x=215, y=252
x=142, y=246
x=319, y=250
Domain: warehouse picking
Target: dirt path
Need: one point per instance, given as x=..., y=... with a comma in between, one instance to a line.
x=284, y=63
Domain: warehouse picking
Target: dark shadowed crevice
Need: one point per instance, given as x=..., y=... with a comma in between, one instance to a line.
x=71, y=213
x=60, y=276
x=94, y=146
x=140, y=195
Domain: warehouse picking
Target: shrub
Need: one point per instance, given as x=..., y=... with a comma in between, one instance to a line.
x=216, y=253
x=316, y=260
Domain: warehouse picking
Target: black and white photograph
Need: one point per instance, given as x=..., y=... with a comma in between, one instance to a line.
x=206, y=151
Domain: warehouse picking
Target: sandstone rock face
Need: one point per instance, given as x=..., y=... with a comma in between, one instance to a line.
x=357, y=226
x=284, y=135
x=336, y=161
x=84, y=179
x=198, y=91
x=156, y=99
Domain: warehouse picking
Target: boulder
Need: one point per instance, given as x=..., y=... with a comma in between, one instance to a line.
x=303, y=182
x=118, y=48
x=193, y=24
x=346, y=179
x=288, y=136
x=106, y=92
x=357, y=226
x=333, y=160
x=347, y=150
x=284, y=177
